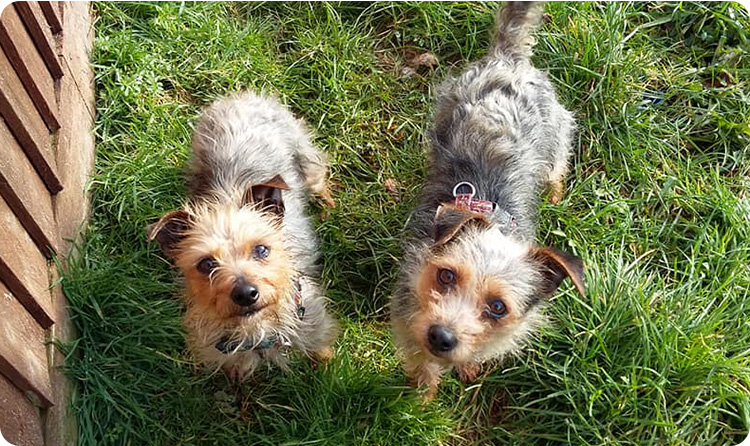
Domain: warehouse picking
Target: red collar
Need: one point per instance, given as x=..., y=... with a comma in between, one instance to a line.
x=466, y=201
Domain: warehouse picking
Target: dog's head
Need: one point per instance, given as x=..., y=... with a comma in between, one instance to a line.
x=479, y=290
x=231, y=253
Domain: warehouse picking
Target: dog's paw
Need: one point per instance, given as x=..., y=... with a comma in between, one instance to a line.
x=468, y=372
x=327, y=198
x=556, y=192
x=428, y=393
x=235, y=374
x=321, y=356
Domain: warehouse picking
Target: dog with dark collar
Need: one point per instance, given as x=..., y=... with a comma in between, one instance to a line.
x=472, y=280
x=244, y=242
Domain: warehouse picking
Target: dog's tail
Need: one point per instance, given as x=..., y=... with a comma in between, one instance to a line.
x=515, y=23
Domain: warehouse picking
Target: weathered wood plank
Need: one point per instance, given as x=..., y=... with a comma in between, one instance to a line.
x=60, y=419
x=23, y=268
x=26, y=124
x=26, y=194
x=62, y=8
x=52, y=14
x=75, y=141
x=33, y=17
x=29, y=66
x=23, y=354
x=20, y=422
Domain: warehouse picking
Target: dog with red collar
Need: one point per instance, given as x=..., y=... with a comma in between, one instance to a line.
x=472, y=280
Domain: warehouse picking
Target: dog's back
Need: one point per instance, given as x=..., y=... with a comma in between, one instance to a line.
x=247, y=139
x=499, y=125
x=244, y=139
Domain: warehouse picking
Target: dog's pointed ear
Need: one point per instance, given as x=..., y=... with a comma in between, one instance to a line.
x=449, y=220
x=267, y=195
x=556, y=265
x=169, y=230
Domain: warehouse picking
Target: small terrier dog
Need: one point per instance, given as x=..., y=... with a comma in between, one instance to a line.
x=472, y=281
x=244, y=243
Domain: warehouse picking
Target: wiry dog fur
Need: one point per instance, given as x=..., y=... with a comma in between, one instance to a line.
x=499, y=127
x=253, y=166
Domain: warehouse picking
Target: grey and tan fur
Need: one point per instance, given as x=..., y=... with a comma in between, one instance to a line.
x=244, y=241
x=498, y=126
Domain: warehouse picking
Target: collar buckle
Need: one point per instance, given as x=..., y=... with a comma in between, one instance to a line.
x=465, y=200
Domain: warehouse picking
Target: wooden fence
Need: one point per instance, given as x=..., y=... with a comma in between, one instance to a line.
x=46, y=157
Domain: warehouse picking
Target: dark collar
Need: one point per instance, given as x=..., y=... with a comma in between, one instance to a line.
x=228, y=345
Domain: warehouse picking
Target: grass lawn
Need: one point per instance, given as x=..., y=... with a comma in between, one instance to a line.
x=657, y=205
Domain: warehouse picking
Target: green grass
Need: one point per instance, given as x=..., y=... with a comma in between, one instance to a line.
x=657, y=205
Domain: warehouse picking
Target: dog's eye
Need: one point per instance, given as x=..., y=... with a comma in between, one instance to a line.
x=446, y=277
x=496, y=309
x=261, y=252
x=207, y=265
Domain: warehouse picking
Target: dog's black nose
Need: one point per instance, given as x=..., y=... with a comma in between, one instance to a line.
x=441, y=339
x=245, y=294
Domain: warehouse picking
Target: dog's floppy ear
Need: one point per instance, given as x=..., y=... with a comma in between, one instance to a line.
x=556, y=265
x=267, y=195
x=169, y=230
x=449, y=220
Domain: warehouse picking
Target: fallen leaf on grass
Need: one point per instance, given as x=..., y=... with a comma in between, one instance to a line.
x=392, y=186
